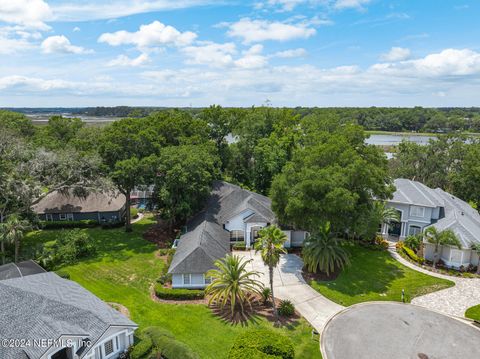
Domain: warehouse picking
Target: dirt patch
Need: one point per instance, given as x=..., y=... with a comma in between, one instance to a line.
x=120, y=308
x=321, y=276
x=161, y=234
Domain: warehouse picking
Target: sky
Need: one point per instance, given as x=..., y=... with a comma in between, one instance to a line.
x=239, y=53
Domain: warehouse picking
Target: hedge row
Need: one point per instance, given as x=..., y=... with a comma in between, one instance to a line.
x=178, y=294
x=411, y=254
x=239, y=246
x=87, y=223
x=262, y=344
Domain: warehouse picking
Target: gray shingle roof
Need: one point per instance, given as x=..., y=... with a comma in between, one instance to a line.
x=460, y=217
x=57, y=202
x=415, y=193
x=45, y=306
x=206, y=240
x=22, y=269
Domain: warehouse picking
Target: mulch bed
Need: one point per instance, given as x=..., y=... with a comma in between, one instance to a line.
x=160, y=234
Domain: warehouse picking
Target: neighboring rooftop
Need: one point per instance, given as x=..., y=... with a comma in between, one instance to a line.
x=206, y=240
x=57, y=202
x=415, y=193
x=45, y=306
x=18, y=270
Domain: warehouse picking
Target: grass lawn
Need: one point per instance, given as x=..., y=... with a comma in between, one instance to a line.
x=376, y=276
x=123, y=269
x=473, y=313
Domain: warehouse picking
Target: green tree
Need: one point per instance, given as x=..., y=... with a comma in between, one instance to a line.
x=13, y=231
x=465, y=180
x=270, y=245
x=323, y=252
x=17, y=123
x=233, y=284
x=440, y=238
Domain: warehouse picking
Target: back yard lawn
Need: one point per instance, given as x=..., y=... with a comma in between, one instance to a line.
x=123, y=269
x=375, y=275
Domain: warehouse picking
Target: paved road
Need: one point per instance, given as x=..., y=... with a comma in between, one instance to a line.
x=289, y=284
x=452, y=301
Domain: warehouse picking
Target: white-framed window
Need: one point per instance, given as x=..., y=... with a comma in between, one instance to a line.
x=187, y=279
x=69, y=216
x=63, y=216
x=98, y=353
x=49, y=217
x=207, y=280
x=416, y=211
x=414, y=230
x=108, y=347
x=237, y=236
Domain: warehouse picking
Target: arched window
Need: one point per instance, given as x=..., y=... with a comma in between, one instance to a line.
x=414, y=230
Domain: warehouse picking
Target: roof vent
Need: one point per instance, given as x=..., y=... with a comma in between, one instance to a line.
x=463, y=213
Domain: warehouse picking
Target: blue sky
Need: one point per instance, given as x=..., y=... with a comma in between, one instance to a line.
x=239, y=53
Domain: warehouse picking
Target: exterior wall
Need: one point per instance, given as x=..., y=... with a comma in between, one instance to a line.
x=236, y=223
x=96, y=216
x=408, y=220
x=289, y=239
x=197, y=281
x=449, y=254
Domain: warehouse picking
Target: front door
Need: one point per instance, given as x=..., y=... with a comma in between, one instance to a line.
x=254, y=234
x=395, y=229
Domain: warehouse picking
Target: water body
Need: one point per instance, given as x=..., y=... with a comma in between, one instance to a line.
x=395, y=139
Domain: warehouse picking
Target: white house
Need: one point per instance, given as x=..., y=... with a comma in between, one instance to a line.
x=47, y=317
x=420, y=207
x=232, y=214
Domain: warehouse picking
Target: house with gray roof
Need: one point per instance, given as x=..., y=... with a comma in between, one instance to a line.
x=44, y=316
x=421, y=207
x=231, y=215
x=97, y=206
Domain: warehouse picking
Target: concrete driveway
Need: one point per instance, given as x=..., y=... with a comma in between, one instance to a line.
x=289, y=284
x=379, y=330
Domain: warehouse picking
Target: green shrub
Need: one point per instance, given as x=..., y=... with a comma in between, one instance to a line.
x=87, y=223
x=413, y=242
x=68, y=248
x=239, y=246
x=110, y=225
x=178, y=294
x=286, y=308
x=381, y=242
x=266, y=294
x=411, y=254
x=262, y=343
x=142, y=349
x=133, y=212
x=174, y=349
x=63, y=274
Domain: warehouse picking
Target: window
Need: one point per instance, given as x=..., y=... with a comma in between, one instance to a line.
x=186, y=279
x=414, y=230
x=98, y=353
x=69, y=216
x=416, y=211
x=237, y=236
x=208, y=280
x=108, y=346
x=63, y=217
x=49, y=217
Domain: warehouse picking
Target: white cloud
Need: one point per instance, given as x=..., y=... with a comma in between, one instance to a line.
x=285, y=5
x=349, y=4
x=287, y=54
x=154, y=34
x=31, y=14
x=252, y=58
x=123, y=60
x=61, y=44
x=96, y=10
x=396, y=54
x=261, y=30
x=210, y=53
x=76, y=29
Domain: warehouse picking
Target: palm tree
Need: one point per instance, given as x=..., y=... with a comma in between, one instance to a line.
x=476, y=247
x=232, y=283
x=323, y=252
x=390, y=215
x=270, y=245
x=13, y=230
x=441, y=238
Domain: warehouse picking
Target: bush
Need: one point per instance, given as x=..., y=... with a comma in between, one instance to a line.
x=286, y=308
x=266, y=294
x=110, y=225
x=381, y=242
x=262, y=343
x=178, y=294
x=67, y=249
x=157, y=342
x=133, y=212
x=411, y=254
x=87, y=223
x=239, y=246
x=413, y=242
x=63, y=274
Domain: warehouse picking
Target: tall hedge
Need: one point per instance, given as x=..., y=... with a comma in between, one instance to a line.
x=262, y=344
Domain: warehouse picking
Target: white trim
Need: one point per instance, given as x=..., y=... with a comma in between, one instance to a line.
x=189, y=279
x=62, y=216
x=417, y=207
x=49, y=217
